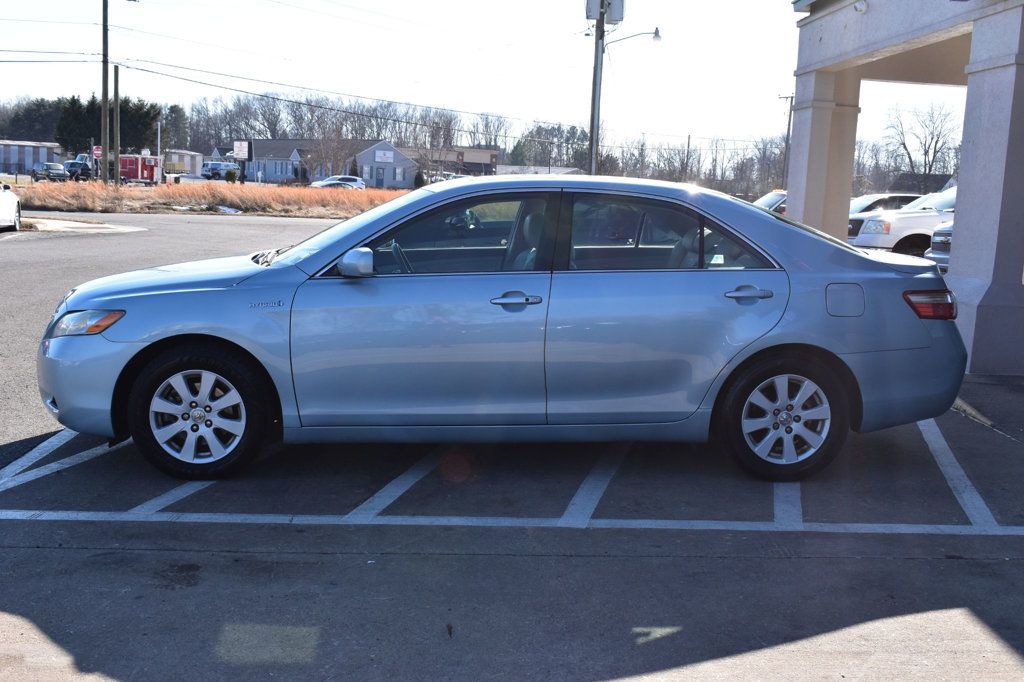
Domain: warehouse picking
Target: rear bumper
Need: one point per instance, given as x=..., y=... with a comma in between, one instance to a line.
x=76, y=376
x=904, y=386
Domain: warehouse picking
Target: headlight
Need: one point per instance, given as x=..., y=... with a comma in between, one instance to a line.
x=875, y=227
x=85, y=322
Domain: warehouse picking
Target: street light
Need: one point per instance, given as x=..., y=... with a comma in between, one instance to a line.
x=595, y=97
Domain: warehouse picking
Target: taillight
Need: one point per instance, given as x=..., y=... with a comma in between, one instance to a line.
x=936, y=304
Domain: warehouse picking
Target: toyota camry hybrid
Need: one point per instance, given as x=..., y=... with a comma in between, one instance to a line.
x=514, y=309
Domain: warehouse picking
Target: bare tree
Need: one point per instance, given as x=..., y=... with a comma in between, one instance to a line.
x=923, y=139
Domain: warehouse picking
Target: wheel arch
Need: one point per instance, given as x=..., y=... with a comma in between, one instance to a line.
x=123, y=386
x=833, y=361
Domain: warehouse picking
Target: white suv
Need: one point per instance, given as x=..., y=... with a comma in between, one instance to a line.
x=908, y=230
x=215, y=170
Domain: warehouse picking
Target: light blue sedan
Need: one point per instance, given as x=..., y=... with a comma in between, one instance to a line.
x=514, y=309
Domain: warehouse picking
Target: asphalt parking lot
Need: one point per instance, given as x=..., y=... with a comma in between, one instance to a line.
x=444, y=561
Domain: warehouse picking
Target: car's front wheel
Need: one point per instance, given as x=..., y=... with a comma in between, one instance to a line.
x=17, y=218
x=198, y=412
x=784, y=417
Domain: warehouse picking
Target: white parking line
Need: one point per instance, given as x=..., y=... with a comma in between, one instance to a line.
x=966, y=494
x=37, y=453
x=59, y=465
x=577, y=514
x=508, y=522
x=393, y=490
x=171, y=496
x=787, y=505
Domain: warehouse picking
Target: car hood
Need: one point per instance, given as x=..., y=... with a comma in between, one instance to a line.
x=926, y=218
x=215, y=273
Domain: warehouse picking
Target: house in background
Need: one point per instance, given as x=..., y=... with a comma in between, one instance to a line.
x=18, y=156
x=459, y=160
x=384, y=166
x=223, y=153
x=182, y=161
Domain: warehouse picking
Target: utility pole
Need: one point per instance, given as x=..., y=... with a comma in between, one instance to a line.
x=105, y=102
x=117, y=129
x=595, y=95
x=785, y=153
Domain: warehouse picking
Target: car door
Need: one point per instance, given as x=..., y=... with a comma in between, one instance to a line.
x=448, y=331
x=649, y=302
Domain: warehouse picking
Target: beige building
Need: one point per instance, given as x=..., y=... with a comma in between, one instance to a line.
x=977, y=43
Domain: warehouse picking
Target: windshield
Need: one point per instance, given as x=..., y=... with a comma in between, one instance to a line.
x=54, y=166
x=294, y=254
x=941, y=201
x=770, y=200
x=858, y=204
x=810, y=230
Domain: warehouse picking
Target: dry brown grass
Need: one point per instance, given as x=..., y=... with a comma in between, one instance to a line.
x=203, y=197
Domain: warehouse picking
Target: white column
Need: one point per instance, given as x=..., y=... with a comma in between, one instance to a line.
x=825, y=112
x=987, y=263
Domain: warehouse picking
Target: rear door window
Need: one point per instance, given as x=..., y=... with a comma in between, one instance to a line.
x=627, y=233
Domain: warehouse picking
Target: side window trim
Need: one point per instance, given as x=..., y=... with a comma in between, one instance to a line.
x=563, y=249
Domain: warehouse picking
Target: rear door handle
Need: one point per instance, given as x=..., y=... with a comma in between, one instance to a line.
x=747, y=291
x=516, y=298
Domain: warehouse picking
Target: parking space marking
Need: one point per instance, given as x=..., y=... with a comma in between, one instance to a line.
x=387, y=495
x=508, y=522
x=171, y=496
x=582, y=505
x=966, y=494
x=59, y=465
x=788, y=506
x=37, y=453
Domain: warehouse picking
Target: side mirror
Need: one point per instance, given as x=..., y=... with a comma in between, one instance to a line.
x=7, y=188
x=357, y=263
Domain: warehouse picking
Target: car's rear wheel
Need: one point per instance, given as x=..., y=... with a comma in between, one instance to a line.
x=198, y=412
x=784, y=417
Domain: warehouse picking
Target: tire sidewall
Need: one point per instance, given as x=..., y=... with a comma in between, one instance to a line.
x=730, y=432
x=239, y=374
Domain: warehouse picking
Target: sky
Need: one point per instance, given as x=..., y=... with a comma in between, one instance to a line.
x=718, y=71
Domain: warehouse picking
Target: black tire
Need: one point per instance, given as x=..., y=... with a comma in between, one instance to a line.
x=215, y=176
x=17, y=218
x=242, y=375
x=734, y=406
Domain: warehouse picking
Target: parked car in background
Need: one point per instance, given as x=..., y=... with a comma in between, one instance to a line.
x=78, y=170
x=514, y=308
x=10, y=208
x=355, y=181
x=53, y=172
x=864, y=207
x=216, y=170
x=942, y=244
x=773, y=201
x=336, y=184
x=908, y=230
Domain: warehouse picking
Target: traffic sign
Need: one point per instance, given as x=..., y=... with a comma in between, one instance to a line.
x=97, y=152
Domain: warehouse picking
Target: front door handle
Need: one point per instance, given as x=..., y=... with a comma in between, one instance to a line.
x=516, y=298
x=747, y=291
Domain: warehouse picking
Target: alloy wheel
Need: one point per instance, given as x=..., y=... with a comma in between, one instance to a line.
x=197, y=416
x=786, y=419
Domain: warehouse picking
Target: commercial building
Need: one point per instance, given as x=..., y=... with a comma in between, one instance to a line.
x=19, y=156
x=975, y=43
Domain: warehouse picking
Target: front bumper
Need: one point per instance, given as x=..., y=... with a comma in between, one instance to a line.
x=77, y=375
x=895, y=390
x=940, y=258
